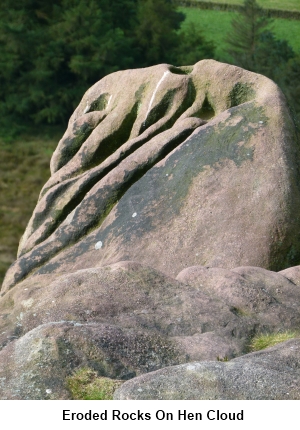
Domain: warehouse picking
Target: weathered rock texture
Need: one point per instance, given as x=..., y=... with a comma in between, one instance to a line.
x=272, y=374
x=126, y=319
x=163, y=172
x=170, y=167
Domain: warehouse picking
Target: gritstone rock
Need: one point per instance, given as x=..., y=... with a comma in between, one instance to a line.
x=126, y=319
x=168, y=187
x=170, y=167
x=272, y=374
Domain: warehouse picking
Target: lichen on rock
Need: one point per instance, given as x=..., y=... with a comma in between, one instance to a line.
x=156, y=241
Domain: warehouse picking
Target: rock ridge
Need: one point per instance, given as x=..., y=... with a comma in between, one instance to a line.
x=164, y=241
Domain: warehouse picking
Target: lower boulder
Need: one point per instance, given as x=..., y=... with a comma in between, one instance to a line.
x=37, y=366
x=272, y=374
x=126, y=319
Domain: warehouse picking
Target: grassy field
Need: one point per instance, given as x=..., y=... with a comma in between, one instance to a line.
x=24, y=168
x=269, y=4
x=216, y=24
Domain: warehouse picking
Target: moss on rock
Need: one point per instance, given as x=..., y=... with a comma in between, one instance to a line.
x=85, y=384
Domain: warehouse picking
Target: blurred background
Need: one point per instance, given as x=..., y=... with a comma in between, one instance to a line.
x=52, y=52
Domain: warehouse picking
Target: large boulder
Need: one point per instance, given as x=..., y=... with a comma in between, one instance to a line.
x=163, y=176
x=170, y=167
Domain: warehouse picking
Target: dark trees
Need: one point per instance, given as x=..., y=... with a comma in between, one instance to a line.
x=52, y=52
x=272, y=55
x=193, y=46
x=156, y=36
x=290, y=83
x=252, y=45
x=244, y=37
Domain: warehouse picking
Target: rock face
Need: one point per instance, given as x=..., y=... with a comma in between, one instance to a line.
x=126, y=319
x=163, y=176
x=170, y=167
x=273, y=374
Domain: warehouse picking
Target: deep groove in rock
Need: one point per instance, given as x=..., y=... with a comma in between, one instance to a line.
x=78, y=197
x=115, y=140
x=207, y=111
x=75, y=200
x=110, y=200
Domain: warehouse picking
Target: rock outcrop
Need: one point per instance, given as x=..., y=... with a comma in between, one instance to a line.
x=170, y=167
x=163, y=176
x=126, y=319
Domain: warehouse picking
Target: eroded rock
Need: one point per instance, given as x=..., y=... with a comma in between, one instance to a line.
x=272, y=374
x=36, y=365
x=127, y=319
x=162, y=172
x=170, y=167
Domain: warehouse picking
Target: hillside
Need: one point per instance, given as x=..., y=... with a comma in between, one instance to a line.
x=291, y=5
x=216, y=24
x=24, y=168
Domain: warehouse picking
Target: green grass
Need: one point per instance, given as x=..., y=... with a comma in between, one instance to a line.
x=24, y=168
x=85, y=384
x=268, y=4
x=263, y=341
x=216, y=24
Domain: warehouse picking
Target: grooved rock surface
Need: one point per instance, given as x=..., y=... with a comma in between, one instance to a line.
x=272, y=374
x=170, y=167
x=163, y=176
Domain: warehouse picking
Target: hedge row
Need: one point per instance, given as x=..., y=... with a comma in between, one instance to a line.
x=271, y=13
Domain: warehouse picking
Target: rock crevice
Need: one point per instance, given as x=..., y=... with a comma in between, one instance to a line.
x=165, y=235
